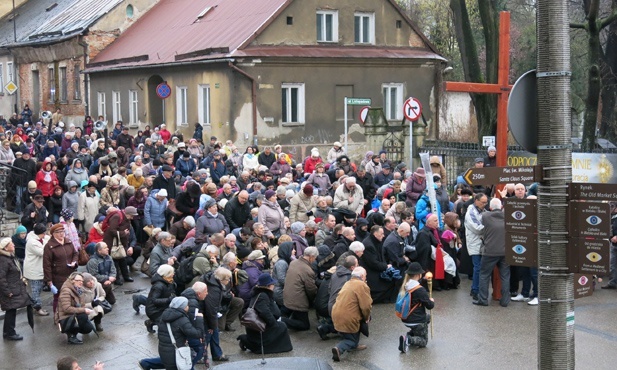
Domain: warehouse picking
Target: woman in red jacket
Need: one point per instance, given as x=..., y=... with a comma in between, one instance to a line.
x=46, y=181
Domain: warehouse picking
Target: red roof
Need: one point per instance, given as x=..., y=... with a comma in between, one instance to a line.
x=172, y=28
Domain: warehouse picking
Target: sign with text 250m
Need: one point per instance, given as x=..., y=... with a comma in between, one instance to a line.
x=522, y=249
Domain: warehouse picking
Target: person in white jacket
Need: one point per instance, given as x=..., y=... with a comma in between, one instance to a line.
x=33, y=264
x=349, y=196
x=88, y=206
x=473, y=234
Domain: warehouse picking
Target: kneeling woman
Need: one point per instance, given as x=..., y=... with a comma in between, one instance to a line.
x=72, y=313
x=275, y=337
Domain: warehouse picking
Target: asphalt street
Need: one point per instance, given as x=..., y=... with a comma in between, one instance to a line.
x=465, y=337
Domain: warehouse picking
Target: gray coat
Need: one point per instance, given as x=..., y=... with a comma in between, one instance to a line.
x=338, y=279
x=208, y=225
x=71, y=201
x=494, y=233
x=271, y=216
x=102, y=268
x=158, y=257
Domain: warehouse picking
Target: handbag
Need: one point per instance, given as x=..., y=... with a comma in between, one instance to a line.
x=69, y=324
x=117, y=250
x=83, y=257
x=106, y=306
x=148, y=230
x=183, y=354
x=145, y=267
x=251, y=319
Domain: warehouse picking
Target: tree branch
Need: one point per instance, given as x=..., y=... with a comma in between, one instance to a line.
x=608, y=20
x=581, y=26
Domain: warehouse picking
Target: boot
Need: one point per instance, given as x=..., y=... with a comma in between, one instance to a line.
x=136, y=304
x=97, y=323
x=149, y=326
x=73, y=339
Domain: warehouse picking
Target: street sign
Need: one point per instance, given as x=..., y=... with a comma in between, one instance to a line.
x=502, y=175
x=593, y=191
x=10, y=87
x=163, y=90
x=488, y=141
x=590, y=219
x=364, y=113
x=358, y=101
x=583, y=286
x=520, y=214
x=587, y=255
x=412, y=109
x=522, y=249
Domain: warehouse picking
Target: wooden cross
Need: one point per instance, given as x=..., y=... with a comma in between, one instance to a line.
x=502, y=87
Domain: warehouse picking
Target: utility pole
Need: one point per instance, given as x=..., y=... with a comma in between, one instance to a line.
x=556, y=286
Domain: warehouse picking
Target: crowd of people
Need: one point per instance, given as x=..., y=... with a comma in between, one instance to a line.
x=220, y=230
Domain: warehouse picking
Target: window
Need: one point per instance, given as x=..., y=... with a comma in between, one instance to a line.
x=393, y=101
x=327, y=26
x=203, y=97
x=116, y=106
x=364, y=28
x=52, y=85
x=181, y=106
x=76, y=83
x=9, y=72
x=133, y=107
x=102, y=107
x=290, y=21
x=63, y=84
x=293, y=103
x=130, y=11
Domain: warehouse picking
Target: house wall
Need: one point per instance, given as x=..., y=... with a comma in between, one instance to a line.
x=304, y=29
x=7, y=101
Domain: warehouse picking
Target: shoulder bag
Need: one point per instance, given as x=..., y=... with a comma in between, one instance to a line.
x=251, y=319
x=83, y=256
x=117, y=250
x=183, y=354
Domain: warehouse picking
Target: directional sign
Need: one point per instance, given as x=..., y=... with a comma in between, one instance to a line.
x=163, y=90
x=593, y=191
x=521, y=249
x=358, y=101
x=590, y=256
x=364, y=113
x=412, y=109
x=502, y=175
x=583, y=286
x=520, y=214
x=589, y=219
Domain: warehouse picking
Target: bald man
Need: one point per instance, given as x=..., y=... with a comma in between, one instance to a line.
x=425, y=240
x=394, y=247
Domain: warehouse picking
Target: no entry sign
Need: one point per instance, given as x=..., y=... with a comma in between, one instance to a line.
x=412, y=109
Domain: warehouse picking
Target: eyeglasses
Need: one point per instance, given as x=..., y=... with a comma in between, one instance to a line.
x=59, y=231
x=78, y=281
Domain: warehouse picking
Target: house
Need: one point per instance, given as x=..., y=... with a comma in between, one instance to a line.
x=272, y=71
x=46, y=43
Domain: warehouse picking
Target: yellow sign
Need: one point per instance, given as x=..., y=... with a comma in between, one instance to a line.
x=10, y=88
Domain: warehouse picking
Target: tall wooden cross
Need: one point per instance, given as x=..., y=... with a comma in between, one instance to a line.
x=502, y=87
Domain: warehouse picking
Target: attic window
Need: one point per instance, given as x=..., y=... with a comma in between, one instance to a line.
x=399, y=24
x=204, y=12
x=290, y=21
x=130, y=11
x=51, y=7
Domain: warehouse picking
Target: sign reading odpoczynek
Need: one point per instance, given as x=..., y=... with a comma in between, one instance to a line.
x=520, y=214
x=586, y=167
x=590, y=219
x=521, y=249
x=502, y=175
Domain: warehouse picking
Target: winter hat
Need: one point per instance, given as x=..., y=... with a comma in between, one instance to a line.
x=162, y=192
x=179, y=302
x=181, y=145
x=56, y=227
x=308, y=190
x=255, y=255
x=297, y=227
x=420, y=172
x=4, y=242
x=20, y=229
x=270, y=193
x=165, y=270
x=491, y=148
x=289, y=193
x=190, y=221
x=265, y=279
x=32, y=184
x=130, y=211
x=130, y=190
x=67, y=214
x=209, y=203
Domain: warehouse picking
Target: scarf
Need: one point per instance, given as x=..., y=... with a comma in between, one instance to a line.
x=439, y=265
x=78, y=170
x=47, y=176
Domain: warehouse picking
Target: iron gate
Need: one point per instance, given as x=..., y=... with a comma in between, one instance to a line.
x=394, y=144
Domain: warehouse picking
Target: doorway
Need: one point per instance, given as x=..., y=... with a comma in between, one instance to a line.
x=155, y=104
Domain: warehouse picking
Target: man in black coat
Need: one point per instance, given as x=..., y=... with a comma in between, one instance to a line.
x=188, y=201
x=22, y=178
x=366, y=182
x=165, y=181
x=267, y=157
x=34, y=213
x=343, y=243
x=125, y=140
x=238, y=211
x=425, y=240
x=215, y=280
x=374, y=261
x=196, y=296
x=394, y=247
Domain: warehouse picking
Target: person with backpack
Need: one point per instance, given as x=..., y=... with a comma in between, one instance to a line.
x=411, y=305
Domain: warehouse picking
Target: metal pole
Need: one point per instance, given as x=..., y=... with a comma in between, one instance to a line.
x=163, y=111
x=346, y=150
x=556, y=285
x=410, y=145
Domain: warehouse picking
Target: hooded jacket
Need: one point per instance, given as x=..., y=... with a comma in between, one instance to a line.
x=88, y=208
x=279, y=272
x=300, y=204
x=159, y=298
x=33, y=263
x=74, y=174
x=271, y=216
x=46, y=187
x=154, y=210
x=209, y=224
x=11, y=282
x=182, y=329
x=253, y=269
x=70, y=199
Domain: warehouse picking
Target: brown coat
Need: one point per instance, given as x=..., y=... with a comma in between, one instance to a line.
x=56, y=257
x=353, y=305
x=300, y=288
x=69, y=302
x=11, y=283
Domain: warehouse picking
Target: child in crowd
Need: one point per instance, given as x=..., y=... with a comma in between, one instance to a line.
x=411, y=305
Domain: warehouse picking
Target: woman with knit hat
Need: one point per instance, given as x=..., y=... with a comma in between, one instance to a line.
x=13, y=293
x=19, y=239
x=59, y=260
x=302, y=204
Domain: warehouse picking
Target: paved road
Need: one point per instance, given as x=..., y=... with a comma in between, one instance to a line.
x=466, y=337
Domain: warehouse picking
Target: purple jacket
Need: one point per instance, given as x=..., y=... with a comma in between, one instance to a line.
x=301, y=244
x=253, y=270
x=414, y=190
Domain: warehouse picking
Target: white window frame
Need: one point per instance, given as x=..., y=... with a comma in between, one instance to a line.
x=389, y=109
x=1, y=79
x=182, y=113
x=204, y=104
x=116, y=107
x=323, y=14
x=371, y=31
x=102, y=104
x=63, y=84
x=9, y=72
x=133, y=107
x=286, y=89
